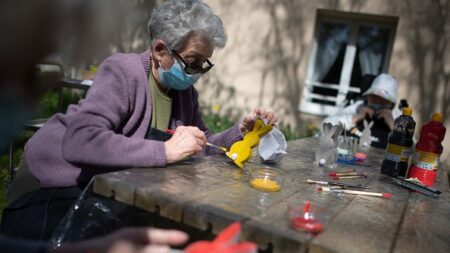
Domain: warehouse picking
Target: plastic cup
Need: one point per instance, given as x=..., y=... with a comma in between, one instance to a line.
x=265, y=180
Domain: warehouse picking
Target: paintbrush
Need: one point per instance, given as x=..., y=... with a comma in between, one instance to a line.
x=374, y=194
x=346, y=185
x=215, y=146
x=349, y=177
x=170, y=131
x=338, y=174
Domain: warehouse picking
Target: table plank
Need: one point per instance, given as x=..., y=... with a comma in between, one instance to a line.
x=371, y=222
x=388, y=223
x=241, y=202
x=164, y=190
x=367, y=224
x=238, y=199
x=259, y=228
x=425, y=226
x=169, y=196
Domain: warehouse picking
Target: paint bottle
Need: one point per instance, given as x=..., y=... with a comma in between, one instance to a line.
x=399, y=146
x=428, y=151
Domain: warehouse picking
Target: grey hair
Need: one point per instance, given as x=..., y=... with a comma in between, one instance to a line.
x=175, y=21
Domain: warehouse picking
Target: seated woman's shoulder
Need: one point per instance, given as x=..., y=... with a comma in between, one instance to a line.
x=123, y=59
x=130, y=65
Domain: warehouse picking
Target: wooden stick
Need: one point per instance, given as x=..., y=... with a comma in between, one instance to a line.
x=333, y=174
x=344, y=171
x=375, y=194
x=349, y=177
x=309, y=181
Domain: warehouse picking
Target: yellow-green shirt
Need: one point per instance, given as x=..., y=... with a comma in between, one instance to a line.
x=161, y=106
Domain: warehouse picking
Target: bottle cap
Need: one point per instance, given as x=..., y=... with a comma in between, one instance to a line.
x=407, y=111
x=437, y=117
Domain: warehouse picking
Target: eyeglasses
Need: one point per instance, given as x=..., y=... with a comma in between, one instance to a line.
x=192, y=67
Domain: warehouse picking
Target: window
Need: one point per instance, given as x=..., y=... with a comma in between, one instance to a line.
x=346, y=47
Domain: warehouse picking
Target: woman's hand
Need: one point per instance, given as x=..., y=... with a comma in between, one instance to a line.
x=186, y=141
x=249, y=120
x=129, y=240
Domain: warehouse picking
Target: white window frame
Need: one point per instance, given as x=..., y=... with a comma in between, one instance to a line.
x=355, y=20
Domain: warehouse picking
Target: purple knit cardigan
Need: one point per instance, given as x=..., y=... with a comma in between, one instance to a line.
x=106, y=130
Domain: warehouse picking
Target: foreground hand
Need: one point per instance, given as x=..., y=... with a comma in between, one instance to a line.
x=386, y=115
x=130, y=240
x=185, y=141
x=362, y=114
x=249, y=120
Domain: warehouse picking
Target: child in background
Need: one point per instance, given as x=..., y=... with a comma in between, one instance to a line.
x=377, y=105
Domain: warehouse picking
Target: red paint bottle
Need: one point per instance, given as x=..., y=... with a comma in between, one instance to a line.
x=428, y=151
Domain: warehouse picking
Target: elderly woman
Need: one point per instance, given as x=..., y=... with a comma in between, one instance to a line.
x=134, y=98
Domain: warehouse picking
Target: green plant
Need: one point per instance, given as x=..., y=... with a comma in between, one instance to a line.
x=49, y=103
x=217, y=120
x=305, y=130
x=4, y=175
x=3, y=199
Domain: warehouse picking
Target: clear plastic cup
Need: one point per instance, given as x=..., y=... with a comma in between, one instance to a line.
x=265, y=180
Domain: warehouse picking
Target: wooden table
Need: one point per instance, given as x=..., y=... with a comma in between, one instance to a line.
x=209, y=192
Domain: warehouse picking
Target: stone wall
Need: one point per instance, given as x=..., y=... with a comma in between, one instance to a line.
x=265, y=61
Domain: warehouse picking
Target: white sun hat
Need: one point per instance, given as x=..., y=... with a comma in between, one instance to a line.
x=384, y=86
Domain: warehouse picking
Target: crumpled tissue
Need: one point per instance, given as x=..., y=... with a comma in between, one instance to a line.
x=272, y=147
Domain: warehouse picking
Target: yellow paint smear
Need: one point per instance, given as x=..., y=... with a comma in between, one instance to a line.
x=264, y=184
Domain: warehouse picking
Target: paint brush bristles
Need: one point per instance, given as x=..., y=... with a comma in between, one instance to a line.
x=215, y=146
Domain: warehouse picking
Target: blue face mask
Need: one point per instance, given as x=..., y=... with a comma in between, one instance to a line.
x=377, y=107
x=175, y=77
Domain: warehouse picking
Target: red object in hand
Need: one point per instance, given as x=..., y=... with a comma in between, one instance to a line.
x=170, y=131
x=225, y=242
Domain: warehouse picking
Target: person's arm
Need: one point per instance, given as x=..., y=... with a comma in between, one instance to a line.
x=225, y=138
x=388, y=117
x=130, y=240
x=93, y=135
x=345, y=116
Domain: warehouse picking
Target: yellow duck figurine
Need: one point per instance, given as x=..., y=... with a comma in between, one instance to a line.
x=241, y=151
